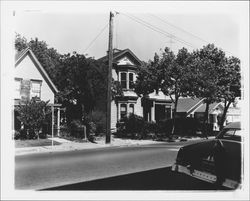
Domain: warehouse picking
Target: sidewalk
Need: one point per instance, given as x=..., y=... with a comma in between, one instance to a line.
x=67, y=145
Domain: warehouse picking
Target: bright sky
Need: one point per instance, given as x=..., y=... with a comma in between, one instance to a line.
x=72, y=27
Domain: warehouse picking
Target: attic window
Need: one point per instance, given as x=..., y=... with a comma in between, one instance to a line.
x=36, y=88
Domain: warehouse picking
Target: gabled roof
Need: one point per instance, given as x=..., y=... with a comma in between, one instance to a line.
x=188, y=104
x=21, y=55
x=117, y=54
x=212, y=106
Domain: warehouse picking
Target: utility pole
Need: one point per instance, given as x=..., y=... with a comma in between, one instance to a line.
x=110, y=63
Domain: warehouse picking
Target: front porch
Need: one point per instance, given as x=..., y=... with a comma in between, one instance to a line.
x=156, y=110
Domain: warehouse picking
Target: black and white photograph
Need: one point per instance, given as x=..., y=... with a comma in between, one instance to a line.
x=124, y=100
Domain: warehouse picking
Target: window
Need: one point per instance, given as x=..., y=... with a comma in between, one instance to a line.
x=131, y=109
x=230, y=134
x=36, y=89
x=123, y=110
x=131, y=80
x=17, y=94
x=124, y=80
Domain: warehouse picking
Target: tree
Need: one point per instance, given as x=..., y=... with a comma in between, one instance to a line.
x=146, y=82
x=176, y=77
x=229, y=85
x=32, y=113
x=20, y=43
x=82, y=82
x=206, y=65
x=116, y=89
x=48, y=57
x=168, y=73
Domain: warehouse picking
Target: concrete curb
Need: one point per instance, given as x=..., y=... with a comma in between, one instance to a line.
x=69, y=146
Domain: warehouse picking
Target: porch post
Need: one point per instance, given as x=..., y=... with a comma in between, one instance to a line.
x=127, y=110
x=58, y=121
x=52, y=124
x=153, y=112
x=118, y=111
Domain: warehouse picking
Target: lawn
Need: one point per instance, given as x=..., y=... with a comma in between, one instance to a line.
x=34, y=143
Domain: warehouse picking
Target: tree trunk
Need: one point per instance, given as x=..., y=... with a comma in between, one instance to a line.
x=206, y=119
x=174, y=115
x=223, y=118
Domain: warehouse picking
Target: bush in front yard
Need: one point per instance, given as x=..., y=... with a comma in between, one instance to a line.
x=76, y=129
x=183, y=126
x=99, y=119
x=135, y=126
x=32, y=114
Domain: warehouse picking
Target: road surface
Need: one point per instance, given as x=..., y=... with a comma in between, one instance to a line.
x=47, y=170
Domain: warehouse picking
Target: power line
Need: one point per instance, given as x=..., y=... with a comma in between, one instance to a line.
x=181, y=29
x=102, y=30
x=165, y=32
x=154, y=28
x=166, y=22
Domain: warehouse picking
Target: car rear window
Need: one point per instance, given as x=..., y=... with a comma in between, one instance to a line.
x=231, y=134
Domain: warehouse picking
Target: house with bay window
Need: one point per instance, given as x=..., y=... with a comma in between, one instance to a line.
x=152, y=108
x=32, y=81
x=155, y=106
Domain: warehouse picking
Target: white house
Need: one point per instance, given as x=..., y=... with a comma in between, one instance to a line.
x=31, y=80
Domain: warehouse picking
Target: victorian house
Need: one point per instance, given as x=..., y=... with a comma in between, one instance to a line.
x=152, y=108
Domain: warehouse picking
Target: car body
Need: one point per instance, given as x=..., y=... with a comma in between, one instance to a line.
x=217, y=160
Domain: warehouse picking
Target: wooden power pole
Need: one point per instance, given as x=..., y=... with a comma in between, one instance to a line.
x=110, y=63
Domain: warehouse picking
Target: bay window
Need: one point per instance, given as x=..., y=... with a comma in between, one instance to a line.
x=127, y=80
x=123, y=110
x=124, y=80
x=131, y=80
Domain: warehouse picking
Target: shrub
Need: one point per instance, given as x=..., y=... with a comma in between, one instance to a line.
x=76, y=129
x=99, y=119
x=32, y=114
x=17, y=135
x=183, y=126
x=135, y=126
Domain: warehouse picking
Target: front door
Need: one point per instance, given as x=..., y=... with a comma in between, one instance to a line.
x=160, y=112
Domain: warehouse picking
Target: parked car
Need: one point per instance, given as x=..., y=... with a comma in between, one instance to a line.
x=217, y=160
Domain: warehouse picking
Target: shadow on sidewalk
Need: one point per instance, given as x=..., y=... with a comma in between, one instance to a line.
x=158, y=179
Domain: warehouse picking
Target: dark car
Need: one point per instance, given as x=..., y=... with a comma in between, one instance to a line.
x=217, y=161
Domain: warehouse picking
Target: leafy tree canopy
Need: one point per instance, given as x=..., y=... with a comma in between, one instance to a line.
x=48, y=57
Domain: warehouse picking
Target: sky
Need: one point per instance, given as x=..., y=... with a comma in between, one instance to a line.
x=75, y=27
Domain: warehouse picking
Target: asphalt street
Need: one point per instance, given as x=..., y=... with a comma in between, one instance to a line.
x=47, y=170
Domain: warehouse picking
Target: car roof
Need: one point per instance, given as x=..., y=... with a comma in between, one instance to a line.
x=236, y=125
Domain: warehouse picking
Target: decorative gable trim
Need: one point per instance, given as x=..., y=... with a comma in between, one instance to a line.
x=28, y=52
x=128, y=51
x=119, y=54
